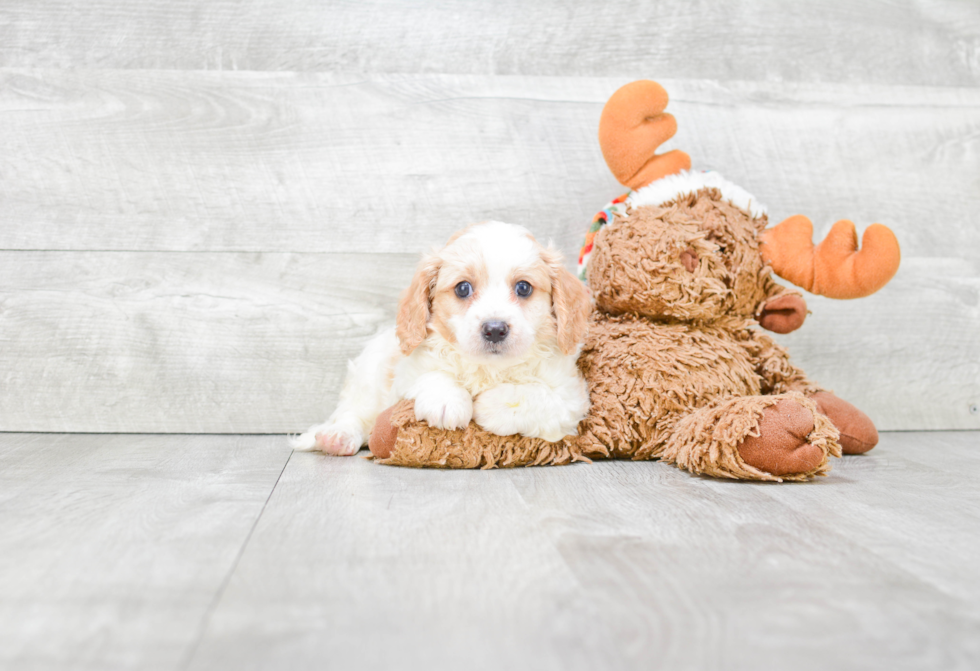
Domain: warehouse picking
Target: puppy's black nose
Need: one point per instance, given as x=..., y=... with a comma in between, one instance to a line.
x=494, y=331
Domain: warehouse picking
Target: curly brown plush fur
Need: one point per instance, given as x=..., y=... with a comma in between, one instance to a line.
x=417, y=444
x=638, y=264
x=667, y=340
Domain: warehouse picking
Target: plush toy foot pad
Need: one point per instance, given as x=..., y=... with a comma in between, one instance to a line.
x=781, y=447
x=780, y=437
x=857, y=432
x=383, y=435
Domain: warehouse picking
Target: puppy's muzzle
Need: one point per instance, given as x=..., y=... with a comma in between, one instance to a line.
x=494, y=332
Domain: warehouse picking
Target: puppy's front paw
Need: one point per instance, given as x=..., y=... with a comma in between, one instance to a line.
x=338, y=442
x=509, y=409
x=445, y=407
x=502, y=410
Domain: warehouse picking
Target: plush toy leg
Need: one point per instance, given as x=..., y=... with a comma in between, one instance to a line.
x=857, y=432
x=781, y=448
x=780, y=437
x=399, y=439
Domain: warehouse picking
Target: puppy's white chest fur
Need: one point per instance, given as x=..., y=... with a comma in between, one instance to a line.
x=544, y=362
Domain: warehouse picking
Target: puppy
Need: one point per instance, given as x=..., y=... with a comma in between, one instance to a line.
x=489, y=329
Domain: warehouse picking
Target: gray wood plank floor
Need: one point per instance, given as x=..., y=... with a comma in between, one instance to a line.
x=113, y=548
x=227, y=552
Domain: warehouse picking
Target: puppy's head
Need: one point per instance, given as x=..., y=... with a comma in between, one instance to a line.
x=494, y=292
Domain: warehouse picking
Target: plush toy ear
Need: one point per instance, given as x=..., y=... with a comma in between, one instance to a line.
x=633, y=125
x=414, y=308
x=570, y=302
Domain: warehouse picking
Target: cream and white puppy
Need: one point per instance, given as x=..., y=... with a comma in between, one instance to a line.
x=489, y=329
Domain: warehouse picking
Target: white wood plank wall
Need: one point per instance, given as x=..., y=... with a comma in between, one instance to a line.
x=207, y=207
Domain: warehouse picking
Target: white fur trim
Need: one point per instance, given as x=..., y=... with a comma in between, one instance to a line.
x=670, y=187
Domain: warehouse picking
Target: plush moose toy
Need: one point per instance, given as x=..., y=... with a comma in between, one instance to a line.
x=680, y=271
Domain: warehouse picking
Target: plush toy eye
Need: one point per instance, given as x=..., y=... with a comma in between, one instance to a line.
x=464, y=289
x=523, y=289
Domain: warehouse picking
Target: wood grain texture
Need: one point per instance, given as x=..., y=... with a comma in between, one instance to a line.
x=257, y=343
x=166, y=161
x=450, y=572
x=611, y=565
x=931, y=42
x=224, y=343
x=909, y=356
x=113, y=548
x=224, y=195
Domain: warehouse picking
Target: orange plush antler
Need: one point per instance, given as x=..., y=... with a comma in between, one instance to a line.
x=834, y=268
x=633, y=125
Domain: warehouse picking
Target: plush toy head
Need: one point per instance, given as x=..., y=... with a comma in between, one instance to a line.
x=693, y=259
x=666, y=253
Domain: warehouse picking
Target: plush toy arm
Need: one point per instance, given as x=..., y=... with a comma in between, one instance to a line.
x=783, y=311
x=771, y=362
x=399, y=439
x=857, y=432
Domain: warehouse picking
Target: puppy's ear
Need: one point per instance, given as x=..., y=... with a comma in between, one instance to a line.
x=570, y=302
x=414, y=308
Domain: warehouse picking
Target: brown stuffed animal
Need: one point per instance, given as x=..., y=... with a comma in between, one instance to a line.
x=680, y=270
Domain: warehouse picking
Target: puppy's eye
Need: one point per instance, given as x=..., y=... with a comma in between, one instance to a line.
x=464, y=289
x=522, y=289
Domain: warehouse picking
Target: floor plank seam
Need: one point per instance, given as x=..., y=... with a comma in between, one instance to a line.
x=192, y=650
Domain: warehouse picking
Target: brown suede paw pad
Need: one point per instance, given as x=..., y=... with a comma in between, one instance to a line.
x=857, y=432
x=781, y=446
